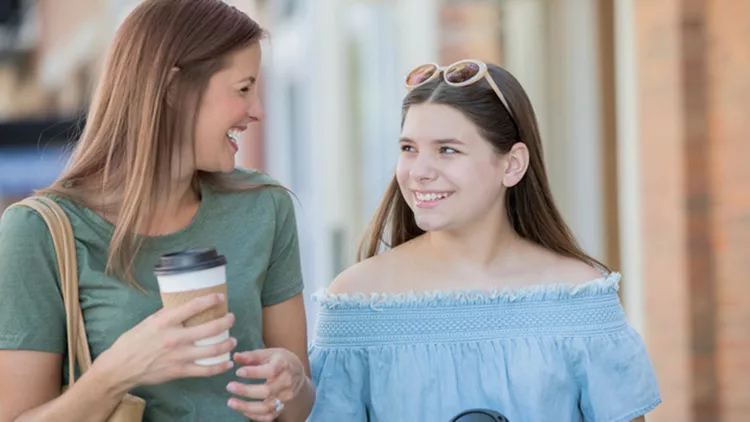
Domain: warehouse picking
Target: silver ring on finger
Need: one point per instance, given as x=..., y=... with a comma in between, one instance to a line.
x=278, y=405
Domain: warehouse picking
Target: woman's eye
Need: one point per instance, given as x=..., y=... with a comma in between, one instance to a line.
x=407, y=148
x=245, y=89
x=447, y=150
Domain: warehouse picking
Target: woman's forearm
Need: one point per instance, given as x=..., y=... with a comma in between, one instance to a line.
x=91, y=399
x=298, y=409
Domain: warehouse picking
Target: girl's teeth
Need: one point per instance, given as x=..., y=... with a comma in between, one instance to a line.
x=430, y=196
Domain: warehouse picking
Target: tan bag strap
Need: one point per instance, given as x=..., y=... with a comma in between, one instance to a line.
x=65, y=251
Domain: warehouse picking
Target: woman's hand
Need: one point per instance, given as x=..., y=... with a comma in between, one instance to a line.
x=161, y=349
x=285, y=377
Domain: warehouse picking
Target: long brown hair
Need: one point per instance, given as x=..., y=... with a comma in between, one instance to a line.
x=529, y=204
x=123, y=161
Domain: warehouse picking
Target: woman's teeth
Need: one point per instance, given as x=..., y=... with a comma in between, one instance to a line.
x=234, y=135
x=426, y=197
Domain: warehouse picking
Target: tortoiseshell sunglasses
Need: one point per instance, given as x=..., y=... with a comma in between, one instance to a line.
x=460, y=73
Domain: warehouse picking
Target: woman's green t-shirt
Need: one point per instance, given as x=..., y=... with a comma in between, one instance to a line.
x=256, y=231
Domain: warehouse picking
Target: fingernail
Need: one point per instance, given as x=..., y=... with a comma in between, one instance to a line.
x=241, y=373
x=234, y=342
x=220, y=296
x=232, y=404
x=231, y=387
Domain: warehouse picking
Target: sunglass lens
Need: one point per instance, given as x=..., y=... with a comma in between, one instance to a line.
x=462, y=72
x=420, y=74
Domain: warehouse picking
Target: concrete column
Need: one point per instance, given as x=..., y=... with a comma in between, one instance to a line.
x=526, y=55
x=628, y=164
x=419, y=32
x=307, y=147
x=552, y=48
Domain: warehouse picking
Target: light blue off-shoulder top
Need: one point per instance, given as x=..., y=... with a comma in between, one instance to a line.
x=562, y=353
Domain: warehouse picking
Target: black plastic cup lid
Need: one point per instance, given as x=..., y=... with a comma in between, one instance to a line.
x=189, y=261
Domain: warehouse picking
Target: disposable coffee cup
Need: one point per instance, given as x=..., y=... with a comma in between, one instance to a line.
x=186, y=275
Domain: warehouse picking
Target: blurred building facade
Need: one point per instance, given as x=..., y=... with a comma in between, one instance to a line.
x=643, y=108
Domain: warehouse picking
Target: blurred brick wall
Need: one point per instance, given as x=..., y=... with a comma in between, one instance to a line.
x=470, y=30
x=694, y=99
x=728, y=117
x=662, y=134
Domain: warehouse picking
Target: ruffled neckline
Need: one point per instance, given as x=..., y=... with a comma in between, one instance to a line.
x=535, y=293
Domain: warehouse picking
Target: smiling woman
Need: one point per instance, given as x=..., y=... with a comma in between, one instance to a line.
x=472, y=292
x=152, y=174
x=229, y=105
x=460, y=160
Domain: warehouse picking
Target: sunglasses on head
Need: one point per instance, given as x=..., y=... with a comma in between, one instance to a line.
x=480, y=415
x=460, y=73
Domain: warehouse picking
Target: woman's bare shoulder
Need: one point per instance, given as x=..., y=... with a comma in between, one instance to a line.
x=557, y=268
x=374, y=274
x=363, y=276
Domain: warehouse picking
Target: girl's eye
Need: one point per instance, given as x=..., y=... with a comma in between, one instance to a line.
x=407, y=148
x=447, y=150
x=245, y=89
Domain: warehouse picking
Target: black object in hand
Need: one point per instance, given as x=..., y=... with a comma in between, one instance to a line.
x=480, y=415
